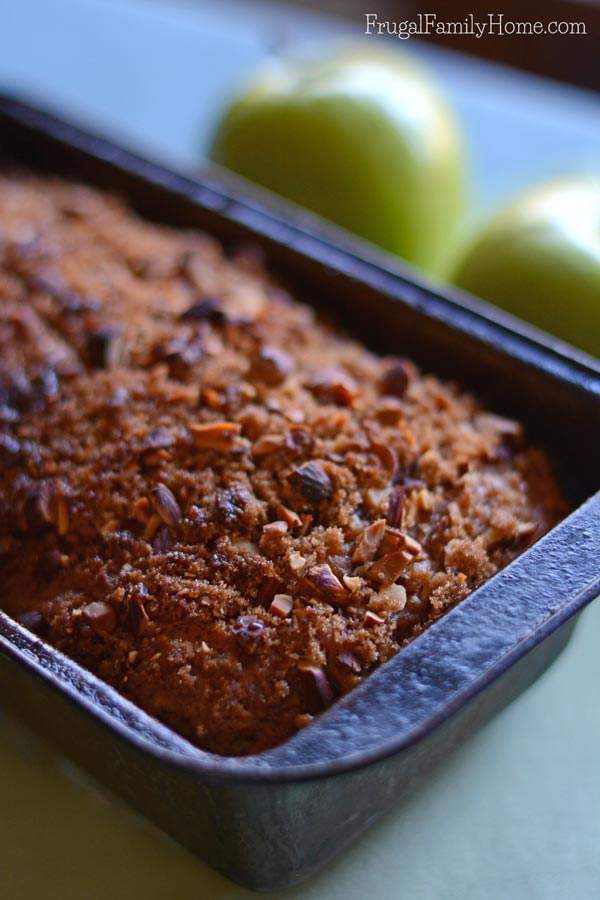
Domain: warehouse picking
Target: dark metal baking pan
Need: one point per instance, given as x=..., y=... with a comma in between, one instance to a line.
x=270, y=820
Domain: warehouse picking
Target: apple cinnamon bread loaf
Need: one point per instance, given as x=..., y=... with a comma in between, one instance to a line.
x=209, y=498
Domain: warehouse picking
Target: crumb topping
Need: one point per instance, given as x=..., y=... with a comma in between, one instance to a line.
x=211, y=499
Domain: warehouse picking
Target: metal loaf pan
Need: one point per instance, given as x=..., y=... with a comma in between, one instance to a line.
x=270, y=820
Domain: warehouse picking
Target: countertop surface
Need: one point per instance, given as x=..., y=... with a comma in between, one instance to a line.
x=515, y=812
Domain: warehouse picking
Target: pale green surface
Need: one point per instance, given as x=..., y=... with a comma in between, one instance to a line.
x=515, y=814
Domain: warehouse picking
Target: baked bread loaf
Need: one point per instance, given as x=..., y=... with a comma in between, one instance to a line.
x=209, y=498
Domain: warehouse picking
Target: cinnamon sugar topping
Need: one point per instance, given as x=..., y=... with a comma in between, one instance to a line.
x=219, y=505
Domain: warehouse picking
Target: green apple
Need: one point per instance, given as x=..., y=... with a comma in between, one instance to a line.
x=540, y=259
x=360, y=137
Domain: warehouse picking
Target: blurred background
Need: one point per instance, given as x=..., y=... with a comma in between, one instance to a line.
x=516, y=812
x=156, y=74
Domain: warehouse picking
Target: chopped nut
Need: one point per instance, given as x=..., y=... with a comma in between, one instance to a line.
x=369, y=541
x=526, y=528
x=214, y=435
x=299, y=439
x=211, y=398
x=312, y=481
x=156, y=457
x=105, y=348
x=182, y=393
x=274, y=528
x=166, y=505
x=206, y=310
x=293, y=519
x=341, y=564
x=389, y=411
x=302, y=720
x=247, y=391
x=333, y=386
x=504, y=426
x=141, y=510
x=281, y=605
x=395, y=379
x=411, y=546
x=387, y=456
x=387, y=569
x=135, y=616
x=271, y=365
x=348, y=659
x=424, y=500
x=394, y=539
x=110, y=526
x=163, y=540
x=352, y=582
x=246, y=546
x=296, y=561
x=318, y=685
x=392, y=597
x=306, y=520
x=376, y=498
x=152, y=526
x=132, y=656
x=372, y=618
x=267, y=444
x=396, y=507
x=37, y=507
x=322, y=579
x=62, y=515
x=100, y=616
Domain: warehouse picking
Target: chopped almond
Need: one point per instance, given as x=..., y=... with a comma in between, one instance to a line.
x=141, y=510
x=372, y=618
x=318, y=684
x=296, y=561
x=392, y=598
x=348, y=659
x=214, y=435
x=327, y=585
x=211, y=398
x=267, y=444
x=274, y=528
x=281, y=605
x=100, y=616
x=62, y=515
x=165, y=505
x=387, y=569
x=396, y=507
x=387, y=456
x=369, y=541
x=152, y=526
x=352, y=582
x=288, y=515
